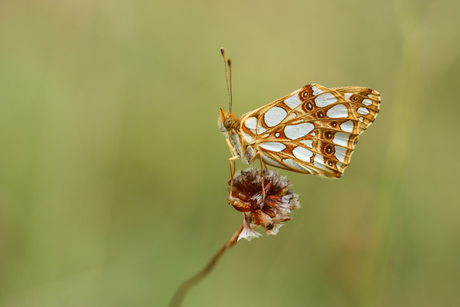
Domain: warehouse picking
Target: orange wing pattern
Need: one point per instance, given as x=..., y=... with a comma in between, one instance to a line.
x=313, y=130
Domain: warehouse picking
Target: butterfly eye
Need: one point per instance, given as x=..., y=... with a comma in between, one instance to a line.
x=228, y=123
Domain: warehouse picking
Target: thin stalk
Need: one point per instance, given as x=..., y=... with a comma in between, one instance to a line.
x=186, y=285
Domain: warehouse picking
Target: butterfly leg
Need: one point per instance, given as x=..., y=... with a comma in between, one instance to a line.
x=261, y=172
x=231, y=162
x=262, y=175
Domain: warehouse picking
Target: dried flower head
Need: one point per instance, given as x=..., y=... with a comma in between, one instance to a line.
x=247, y=196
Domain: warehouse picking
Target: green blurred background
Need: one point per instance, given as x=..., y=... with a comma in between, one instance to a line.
x=114, y=173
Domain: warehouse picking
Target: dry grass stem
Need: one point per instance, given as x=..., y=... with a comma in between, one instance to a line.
x=183, y=289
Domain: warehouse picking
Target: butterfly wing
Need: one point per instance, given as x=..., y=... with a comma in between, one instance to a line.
x=312, y=130
x=365, y=103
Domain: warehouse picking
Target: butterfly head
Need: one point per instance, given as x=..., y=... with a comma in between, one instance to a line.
x=226, y=121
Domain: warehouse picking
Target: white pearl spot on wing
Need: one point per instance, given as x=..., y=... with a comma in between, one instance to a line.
x=302, y=154
x=367, y=102
x=251, y=123
x=347, y=126
x=261, y=129
x=341, y=138
x=273, y=146
x=363, y=111
x=271, y=161
x=293, y=101
x=309, y=143
x=347, y=96
x=274, y=116
x=316, y=91
x=277, y=134
x=247, y=137
x=296, y=166
x=340, y=153
x=325, y=100
x=319, y=162
x=297, y=131
x=337, y=111
x=338, y=165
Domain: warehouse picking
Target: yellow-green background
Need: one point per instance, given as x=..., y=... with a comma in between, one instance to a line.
x=113, y=172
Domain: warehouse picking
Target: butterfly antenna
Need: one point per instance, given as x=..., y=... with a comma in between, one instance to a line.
x=229, y=87
x=231, y=90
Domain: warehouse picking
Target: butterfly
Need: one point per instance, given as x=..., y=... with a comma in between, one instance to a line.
x=313, y=130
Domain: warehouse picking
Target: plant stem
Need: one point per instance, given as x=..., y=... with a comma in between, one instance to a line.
x=186, y=285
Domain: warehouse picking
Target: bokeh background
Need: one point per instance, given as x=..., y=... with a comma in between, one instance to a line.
x=113, y=173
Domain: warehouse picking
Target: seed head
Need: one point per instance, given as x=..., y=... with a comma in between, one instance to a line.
x=247, y=196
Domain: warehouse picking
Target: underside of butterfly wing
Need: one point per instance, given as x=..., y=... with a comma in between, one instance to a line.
x=312, y=130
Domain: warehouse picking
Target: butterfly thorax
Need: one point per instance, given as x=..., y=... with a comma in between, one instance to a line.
x=230, y=127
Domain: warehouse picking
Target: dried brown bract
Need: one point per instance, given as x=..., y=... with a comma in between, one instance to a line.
x=269, y=212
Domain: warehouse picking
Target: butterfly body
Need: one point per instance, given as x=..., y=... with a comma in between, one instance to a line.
x=313, y=130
